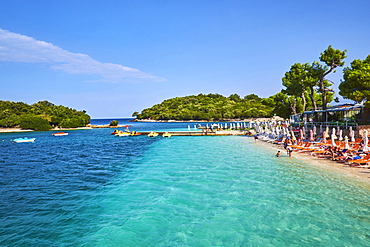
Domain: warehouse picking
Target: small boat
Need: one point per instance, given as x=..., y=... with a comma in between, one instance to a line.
x=166, y=134
x=134, y=133
x=60, y=134
x=25, y=139
x=123, y=134
x=152, y=134
x=115, y=132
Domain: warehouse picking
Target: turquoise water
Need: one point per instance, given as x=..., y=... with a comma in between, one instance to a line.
x=94, y=189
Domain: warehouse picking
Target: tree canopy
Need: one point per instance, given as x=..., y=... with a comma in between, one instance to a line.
x=40, y=116
x=356, y=83
x=207, y=107
x=308, y=82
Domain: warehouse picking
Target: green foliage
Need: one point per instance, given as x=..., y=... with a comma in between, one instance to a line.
x=113, y=123
x=34, y=122
x=356, y=83
x=207, y=107
x=28, y=116
x=333, y=57
x=307, y=81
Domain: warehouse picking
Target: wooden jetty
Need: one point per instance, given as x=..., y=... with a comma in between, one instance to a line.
x=200, y=133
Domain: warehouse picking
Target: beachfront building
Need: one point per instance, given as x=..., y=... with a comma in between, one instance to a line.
x=344, y=116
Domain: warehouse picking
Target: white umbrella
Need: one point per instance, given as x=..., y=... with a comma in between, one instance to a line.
x=314, y=130
x=293, y=136
x=340, y=135
x=333, y=134
x=324, y=136
x=366, y=142
x=301, y=135
x=346, y=145
x=189, y=127
x=311, y=136
x=352, y=134
x=333, y=139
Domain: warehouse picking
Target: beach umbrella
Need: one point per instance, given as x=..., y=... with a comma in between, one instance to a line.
x=311, y=136
x=189, y=127
x=352, y=134
x=293, y=136
x=301, y=135
x=324, y=136
x=195, y=127
x=338, y=129
x=327, y=129
x=366, y=142
x=286, y=131
x=314, y=130
x=333, y=137
x=320, y=128
x=333, y=133
x=340, y=135
x=346, y=145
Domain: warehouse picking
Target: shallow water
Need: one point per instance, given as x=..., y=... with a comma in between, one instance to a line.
x=94, y=189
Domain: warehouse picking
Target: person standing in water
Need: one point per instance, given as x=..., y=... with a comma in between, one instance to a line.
x=290, y=150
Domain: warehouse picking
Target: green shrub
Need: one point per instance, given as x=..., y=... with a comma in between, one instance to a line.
x=113, y=123
x=34, y=122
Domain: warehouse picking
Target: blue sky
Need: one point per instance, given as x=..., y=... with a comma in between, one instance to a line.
x=112, y=58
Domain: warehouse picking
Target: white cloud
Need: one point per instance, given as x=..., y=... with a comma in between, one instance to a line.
x=20, y=48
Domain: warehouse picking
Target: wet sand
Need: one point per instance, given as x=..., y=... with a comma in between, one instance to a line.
x=360, y=173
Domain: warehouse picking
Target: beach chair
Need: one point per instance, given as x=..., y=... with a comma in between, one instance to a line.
x=306, y=146
x=363, y=160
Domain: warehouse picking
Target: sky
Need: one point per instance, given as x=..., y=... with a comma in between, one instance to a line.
x=114, y=57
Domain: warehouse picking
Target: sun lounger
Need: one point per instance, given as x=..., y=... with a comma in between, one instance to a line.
x=363, y=160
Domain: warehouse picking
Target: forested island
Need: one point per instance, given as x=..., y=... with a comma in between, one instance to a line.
x=208, y=107
x=42, y=115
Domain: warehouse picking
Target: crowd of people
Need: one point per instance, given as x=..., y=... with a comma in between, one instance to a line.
x=354, y=154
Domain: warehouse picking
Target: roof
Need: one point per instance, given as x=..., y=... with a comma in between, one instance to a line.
x=345, y=107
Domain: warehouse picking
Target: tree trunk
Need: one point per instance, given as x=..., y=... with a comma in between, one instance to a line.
x=312, y=97
x=294, y=107
x=323, y=97
x=304, y=101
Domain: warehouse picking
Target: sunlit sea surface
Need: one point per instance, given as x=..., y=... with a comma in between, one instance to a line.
x=91, y=188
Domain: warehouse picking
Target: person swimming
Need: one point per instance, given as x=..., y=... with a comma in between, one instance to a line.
x=278, y=154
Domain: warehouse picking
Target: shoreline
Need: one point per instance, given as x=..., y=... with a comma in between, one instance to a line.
x=207, y=121
x=12, y=130
x=361, y=174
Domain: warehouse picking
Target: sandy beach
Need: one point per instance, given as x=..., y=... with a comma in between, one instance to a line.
x=8, y=130
x=360, y=173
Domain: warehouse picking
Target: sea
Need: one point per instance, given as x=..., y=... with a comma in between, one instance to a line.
x=91, y=188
